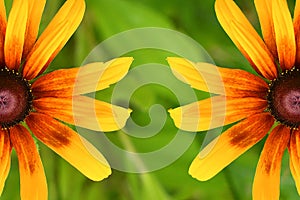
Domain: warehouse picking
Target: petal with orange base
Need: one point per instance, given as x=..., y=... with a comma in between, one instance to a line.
x=294, y=151
x=69, y=145
x=5, y=152
x=210, y=78
x=256, y=49
x=230, y=145
x=266, y=183
x=215, y=112
x=84, y=112
x=297, y=31
x=36, y=8
x=244, y=36
x=54, y=37
x=3, y=24
x=32, y=177
x=15, y=34
x=284, y=33
x=264, y=11
x=89, y=78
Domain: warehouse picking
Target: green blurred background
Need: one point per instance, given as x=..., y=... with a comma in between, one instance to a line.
x=195, y=18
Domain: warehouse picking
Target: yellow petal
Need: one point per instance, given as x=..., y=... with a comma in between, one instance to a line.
x=215, y=112
x=256, y=49
x=264, y=11
x=244, y=36
x=98, y=76
x=2, y=31
x=69, y=145
x=54, y=38
x=89, y=78
x=284, y=33
x=217, y=80
x=297, y=31
x=36, y=8
x=230, y=145
x=294, y=151
x=5, y=152
x=32, y=177
x=15, y=34
x=266, y=183
x=84, y=112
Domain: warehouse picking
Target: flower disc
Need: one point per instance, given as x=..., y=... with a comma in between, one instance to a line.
x=15, y=98
x=284, y=98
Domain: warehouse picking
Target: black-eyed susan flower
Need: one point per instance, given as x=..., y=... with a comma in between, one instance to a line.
x=262, y=103
x=33, y=103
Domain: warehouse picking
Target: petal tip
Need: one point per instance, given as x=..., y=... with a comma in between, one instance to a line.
x=105, y=174
x=194, y=170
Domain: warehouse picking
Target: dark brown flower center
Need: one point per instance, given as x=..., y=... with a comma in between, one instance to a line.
x=15, y=98
x=284, y=98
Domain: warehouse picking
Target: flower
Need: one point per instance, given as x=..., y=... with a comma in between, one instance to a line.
x=267, y=101
x=34, y=103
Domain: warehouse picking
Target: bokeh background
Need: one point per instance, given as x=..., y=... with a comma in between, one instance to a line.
x=195, y=18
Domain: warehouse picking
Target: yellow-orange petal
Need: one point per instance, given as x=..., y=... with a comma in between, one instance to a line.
x=266, y=183
x=89, y=78
x=35, y=8
x=69, y=145
x=2, y=31
x=84, y=112
x=5, y=152
x=59, y=83
x=297, y=31
x=210, y=78
x=32, y=177
x=284, y=34
x=215, y=112
x=98, y=76
x=15, y=34
x=294, y=151
x=295, y=175
x=54, y=37
x=264, y=11
x=244, y=36
x=230, y=145
x=256, y=50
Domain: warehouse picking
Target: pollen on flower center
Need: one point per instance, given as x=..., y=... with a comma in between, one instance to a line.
x=284, y=98
x=15, y=98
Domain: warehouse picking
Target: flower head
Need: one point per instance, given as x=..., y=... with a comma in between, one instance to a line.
x=268, y=101
x=31, y=102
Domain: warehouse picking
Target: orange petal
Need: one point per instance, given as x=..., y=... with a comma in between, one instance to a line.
x=217, y=80
x=15, y=34
x=59, y=83
x=5, y=152
x=244, y=36
x=89, y=78
x=230, y=145
x=264, y=11
x=32, y=177
x=54, y=38
x=294, y=151
x=36, y=8
x=2, y=31
x=284, y=33
x=215, y=112
x=297, y=31
x=267, y=177
x=84, y=112
x=69, y=145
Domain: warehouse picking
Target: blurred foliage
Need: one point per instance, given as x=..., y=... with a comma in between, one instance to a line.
x=195, y=18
